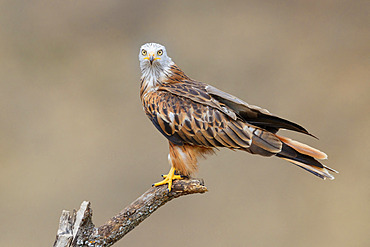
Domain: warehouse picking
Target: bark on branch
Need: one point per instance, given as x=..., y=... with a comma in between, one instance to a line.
x=77, y=229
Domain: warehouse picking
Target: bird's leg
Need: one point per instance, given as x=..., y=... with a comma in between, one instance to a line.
x=169, y=178
x=176, y=173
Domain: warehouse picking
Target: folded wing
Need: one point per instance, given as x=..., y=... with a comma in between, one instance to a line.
x=201, y=115
x=253, y=114
x=184, y=120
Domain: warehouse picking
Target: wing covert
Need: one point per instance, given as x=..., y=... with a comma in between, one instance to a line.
x=197, y=94
x=182, y=120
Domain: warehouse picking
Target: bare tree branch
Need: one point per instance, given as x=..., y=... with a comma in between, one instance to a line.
x=77, y=229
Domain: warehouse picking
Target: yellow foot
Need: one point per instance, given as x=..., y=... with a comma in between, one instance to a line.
x=169, y=178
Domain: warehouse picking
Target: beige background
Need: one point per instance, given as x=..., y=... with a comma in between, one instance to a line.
x=72, y=126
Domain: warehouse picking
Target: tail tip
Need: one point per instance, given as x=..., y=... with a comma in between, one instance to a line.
x=326, y=173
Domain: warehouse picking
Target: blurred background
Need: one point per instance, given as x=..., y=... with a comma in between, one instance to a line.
x=72, y=126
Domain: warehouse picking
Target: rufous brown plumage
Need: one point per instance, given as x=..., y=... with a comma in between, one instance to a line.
x=198, y=118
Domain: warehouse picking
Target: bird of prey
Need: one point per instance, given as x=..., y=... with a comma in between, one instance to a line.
x=198, y=118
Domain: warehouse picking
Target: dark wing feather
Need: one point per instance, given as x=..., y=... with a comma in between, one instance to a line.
x=174, y=138
x=196, y=93
x=253, y=114
x=183, y=120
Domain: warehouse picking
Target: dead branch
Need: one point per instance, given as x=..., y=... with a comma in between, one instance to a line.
x=77, y=229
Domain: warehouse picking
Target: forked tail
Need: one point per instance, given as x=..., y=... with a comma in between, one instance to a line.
x=304, y=156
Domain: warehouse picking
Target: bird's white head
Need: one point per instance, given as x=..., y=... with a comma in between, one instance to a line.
x=153, y=58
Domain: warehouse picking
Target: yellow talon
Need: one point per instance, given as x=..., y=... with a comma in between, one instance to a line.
x=169, y=178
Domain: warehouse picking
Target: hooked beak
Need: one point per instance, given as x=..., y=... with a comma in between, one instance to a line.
x=151, y=58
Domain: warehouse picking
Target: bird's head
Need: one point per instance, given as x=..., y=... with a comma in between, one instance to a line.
x=153, y=56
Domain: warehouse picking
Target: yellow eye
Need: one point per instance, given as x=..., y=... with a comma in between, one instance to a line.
x=143, y=52
x=160, y=52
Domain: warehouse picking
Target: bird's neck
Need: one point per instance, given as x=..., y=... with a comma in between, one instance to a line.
x=152, y=77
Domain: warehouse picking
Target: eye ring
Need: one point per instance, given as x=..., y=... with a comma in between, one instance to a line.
x=143, y=52
x=160, y=52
